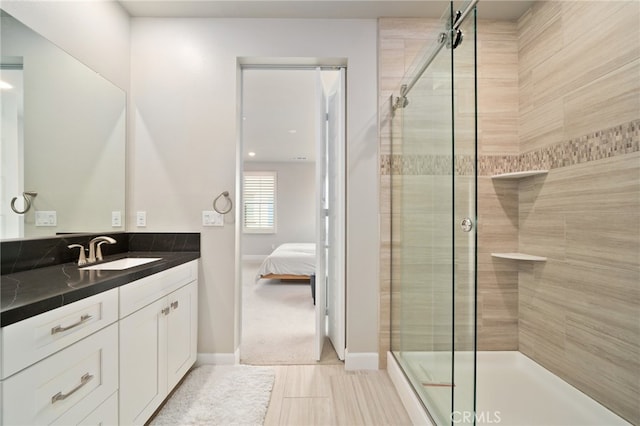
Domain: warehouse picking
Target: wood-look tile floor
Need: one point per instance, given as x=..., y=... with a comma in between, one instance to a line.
x=328, y=395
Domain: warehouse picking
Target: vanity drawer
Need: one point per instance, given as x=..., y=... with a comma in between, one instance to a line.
x=73, y=382
x=26, y=342
x=106, y=414
x=147, y=290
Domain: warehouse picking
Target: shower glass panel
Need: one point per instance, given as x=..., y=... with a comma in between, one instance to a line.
x=433, y=224
x=464, y=207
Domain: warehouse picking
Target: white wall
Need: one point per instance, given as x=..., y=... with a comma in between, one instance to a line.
x=295, y=207
x=184, y=133
x=94, y=32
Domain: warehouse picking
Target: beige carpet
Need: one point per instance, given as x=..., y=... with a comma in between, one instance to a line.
x=278, y=322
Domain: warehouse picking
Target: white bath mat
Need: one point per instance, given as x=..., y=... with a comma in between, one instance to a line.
x=220, y=395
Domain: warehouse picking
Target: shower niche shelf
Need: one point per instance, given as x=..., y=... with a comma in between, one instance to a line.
x=519, y=256
x=515, y=176
x=520, y=175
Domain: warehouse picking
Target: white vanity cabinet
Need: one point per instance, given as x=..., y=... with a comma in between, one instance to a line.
x=107, y=359
x=158, y=337
x=61, y=366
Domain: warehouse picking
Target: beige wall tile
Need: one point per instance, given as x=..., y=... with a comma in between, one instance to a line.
x=537, y=20
x=541, y=125
x=578, y=311
x=607, y=101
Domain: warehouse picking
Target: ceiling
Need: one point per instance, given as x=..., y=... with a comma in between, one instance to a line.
x=316, y=9
x=278, y=105
x=278, y=114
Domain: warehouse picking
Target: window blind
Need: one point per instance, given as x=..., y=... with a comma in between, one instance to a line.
x=259, y=198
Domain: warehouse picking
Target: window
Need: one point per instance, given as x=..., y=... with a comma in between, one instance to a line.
x=259, y=198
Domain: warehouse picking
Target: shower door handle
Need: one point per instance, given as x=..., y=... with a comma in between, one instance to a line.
x=466, y=224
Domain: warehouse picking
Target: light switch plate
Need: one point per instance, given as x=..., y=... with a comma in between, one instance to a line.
x=141, y=219
x=116, y=219
x=211, y=218
x=46, y=218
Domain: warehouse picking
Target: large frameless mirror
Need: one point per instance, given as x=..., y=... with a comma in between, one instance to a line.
x=63, y=140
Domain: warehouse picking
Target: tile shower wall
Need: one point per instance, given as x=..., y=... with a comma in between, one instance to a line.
x=553, y=93
x=580, y=118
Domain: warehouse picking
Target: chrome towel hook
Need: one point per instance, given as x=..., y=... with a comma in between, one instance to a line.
x=28, y=198
x=227, y=208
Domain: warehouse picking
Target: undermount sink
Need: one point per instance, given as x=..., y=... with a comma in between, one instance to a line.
x=120, y=264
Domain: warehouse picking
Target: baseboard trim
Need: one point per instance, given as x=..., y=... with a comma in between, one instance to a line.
x=408, y=397
x=360, y=360
x=218, y=358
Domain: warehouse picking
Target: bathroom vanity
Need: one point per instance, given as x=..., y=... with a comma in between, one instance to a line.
x=97, y=346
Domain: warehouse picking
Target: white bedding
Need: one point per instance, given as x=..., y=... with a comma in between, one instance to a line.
x=290, y=259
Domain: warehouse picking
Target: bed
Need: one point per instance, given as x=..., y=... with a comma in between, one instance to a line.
x=291, y=261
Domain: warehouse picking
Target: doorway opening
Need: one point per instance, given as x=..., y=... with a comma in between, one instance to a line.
x=292, y=222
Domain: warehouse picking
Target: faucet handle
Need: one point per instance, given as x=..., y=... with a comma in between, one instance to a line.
x=82, y=260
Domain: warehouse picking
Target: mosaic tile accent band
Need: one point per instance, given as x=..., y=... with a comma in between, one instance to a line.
x=415, y=165
x=618, y=140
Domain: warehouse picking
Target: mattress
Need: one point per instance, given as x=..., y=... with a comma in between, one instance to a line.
x=290, y=259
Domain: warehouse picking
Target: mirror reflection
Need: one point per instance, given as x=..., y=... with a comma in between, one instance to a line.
x=63, y=138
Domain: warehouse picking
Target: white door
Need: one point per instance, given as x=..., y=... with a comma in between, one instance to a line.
x=321, y=215
x=335, y=259
x=330, y=212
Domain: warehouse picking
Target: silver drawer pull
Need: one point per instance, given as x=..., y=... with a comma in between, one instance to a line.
x=59, y=329
x=165, y=311
x=174, y=305
x=62, y=396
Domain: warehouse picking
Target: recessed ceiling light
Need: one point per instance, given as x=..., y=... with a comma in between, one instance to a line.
x=292, y=131
x=252, y=154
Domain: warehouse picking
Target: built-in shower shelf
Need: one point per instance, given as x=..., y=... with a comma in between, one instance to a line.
x=519, y=256
x=520, y=175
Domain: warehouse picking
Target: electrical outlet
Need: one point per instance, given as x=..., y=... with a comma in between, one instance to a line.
x=46, y=218
x=141, y=219
x=116, y=219
x=211, y=218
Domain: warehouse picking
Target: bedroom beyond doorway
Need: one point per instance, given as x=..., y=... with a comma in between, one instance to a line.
x=293, y=192
x=278, y=322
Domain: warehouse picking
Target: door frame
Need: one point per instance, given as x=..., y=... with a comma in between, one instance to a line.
x=278, y=63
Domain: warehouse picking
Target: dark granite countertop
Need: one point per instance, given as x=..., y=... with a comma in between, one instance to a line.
x=29, y=293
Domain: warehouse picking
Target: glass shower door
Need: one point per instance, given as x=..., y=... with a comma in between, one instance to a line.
x=465, y=221
x=433, y=230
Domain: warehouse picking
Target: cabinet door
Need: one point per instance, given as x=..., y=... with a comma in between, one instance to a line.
x=182, y=332
x=105, y=414
x=143, y=363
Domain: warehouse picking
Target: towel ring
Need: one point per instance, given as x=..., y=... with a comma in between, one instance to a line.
x=229, y=205
x=28, y=197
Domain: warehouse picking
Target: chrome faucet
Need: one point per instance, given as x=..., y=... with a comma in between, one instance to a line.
x=95, y=255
